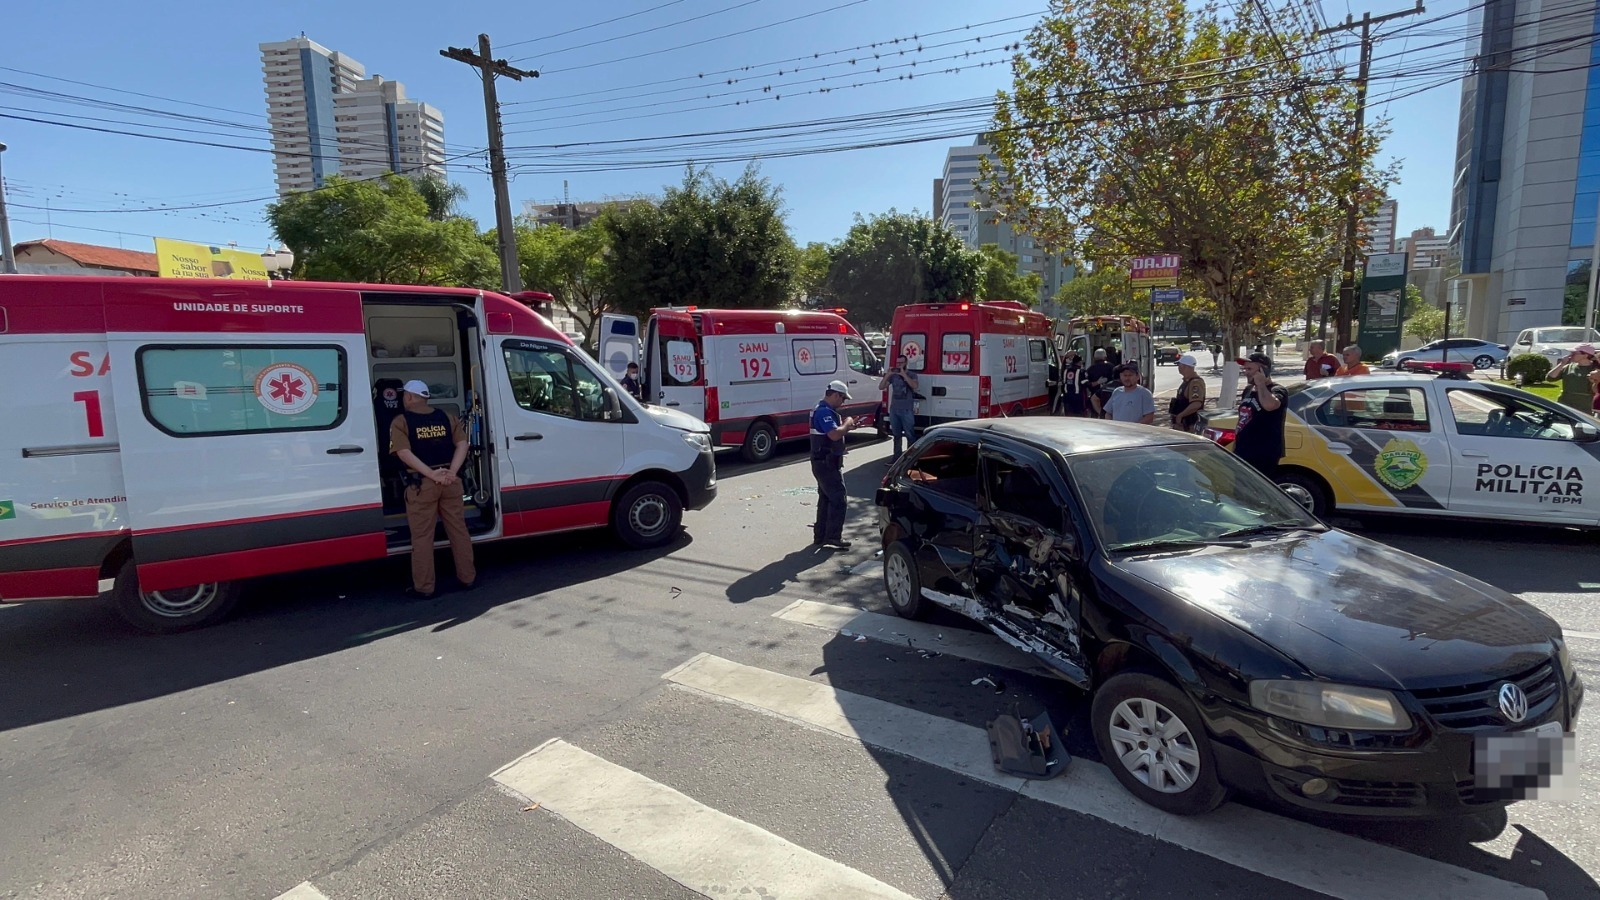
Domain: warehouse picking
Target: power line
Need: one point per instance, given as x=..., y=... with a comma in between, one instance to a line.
x=650, y=30
x=592, y=25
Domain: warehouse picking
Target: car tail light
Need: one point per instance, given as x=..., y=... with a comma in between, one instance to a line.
x=713, y=408
x=1223, y=436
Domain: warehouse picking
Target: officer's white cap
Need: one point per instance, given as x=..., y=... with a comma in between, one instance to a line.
x=416, y=387
x=1188, y=360
x=837, y=387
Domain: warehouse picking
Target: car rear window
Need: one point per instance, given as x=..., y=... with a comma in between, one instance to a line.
x=949, y=467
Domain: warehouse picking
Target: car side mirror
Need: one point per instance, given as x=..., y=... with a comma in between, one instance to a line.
x=1584, y=433
x=613, y=411
x=875, y=370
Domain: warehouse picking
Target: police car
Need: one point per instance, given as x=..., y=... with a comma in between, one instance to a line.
x=1435, y=446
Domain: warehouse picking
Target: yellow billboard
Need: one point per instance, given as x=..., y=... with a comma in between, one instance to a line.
x=181, y=259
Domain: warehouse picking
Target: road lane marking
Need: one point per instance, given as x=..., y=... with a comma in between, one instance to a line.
x=974, y=645
x=1335, y=864
x=1586, y=635
x=701, y=848
x=305, y=890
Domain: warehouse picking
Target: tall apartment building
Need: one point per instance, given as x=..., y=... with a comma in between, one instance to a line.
x=327, y=117
x=1425, y=249
x=958, y=204
x=379, y=131
x=1527, y=177
x=1377, y=230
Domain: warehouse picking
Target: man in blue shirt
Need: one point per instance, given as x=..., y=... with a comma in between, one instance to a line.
x=827, y=465
x=902, y=388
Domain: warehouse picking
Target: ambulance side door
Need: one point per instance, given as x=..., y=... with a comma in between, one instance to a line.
x=618, y=343
x=676, y=374
x=247, y=438
x=1518, y=458
x=1137, y=347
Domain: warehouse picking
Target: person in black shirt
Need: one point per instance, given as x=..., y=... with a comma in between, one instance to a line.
x=433, y=445
x=1100, y=380
x=1072, y=379
x=631, y=383
x=1258, y=437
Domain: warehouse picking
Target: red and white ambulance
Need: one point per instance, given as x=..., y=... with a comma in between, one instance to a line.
x=974, y=360
x=169, y=437
x=753, y=375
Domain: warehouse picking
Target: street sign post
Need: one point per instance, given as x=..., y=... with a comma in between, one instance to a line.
x=1166, y=295
x=1383, y=292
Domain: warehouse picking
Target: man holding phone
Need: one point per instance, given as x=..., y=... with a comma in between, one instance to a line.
x=1258, y=437
x=902, y=388
x=828, y=432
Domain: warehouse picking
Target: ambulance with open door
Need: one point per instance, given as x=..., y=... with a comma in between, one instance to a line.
x=172, y=437
x=973, y=360
x=753, y=375
x=1126, y=339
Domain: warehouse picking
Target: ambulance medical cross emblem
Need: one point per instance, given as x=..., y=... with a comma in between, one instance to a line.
x=286, y=389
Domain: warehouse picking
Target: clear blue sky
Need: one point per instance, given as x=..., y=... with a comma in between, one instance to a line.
x=214, y=61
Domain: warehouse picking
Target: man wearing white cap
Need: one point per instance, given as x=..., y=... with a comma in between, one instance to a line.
x=827, y=464
x=1191, y=397
x=433, y=445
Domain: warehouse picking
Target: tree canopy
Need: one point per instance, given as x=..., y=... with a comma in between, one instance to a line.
x=1103, y=292
x=897, y=258
x=709, y=242
x=570, y=263
x=1137, y=128
x=999, y=278
x=379, y=231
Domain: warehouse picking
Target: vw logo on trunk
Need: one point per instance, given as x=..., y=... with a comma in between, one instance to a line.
x=1513, y=703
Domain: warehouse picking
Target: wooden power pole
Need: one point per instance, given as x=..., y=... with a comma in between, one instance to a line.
x=1352, y=218
x=489, y=68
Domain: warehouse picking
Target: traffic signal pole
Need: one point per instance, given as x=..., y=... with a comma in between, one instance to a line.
x=505, y=227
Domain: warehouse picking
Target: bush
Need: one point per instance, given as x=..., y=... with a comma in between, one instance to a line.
x=1531, y=366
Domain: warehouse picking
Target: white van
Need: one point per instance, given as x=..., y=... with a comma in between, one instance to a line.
x=753, y=375
x=181, y=435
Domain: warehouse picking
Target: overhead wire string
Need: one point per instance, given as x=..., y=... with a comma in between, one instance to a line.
x=547, y=37
x=701, y=76
x=543, y=54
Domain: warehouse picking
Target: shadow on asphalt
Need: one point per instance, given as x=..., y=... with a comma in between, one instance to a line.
x=1514, y=556
x=64, y=659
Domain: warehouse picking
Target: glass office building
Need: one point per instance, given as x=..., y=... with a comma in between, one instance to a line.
x=1527, y=182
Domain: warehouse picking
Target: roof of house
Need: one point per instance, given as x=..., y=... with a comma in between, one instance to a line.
x=97, y=256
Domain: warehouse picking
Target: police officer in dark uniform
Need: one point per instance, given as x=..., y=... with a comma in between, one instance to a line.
x=827, y=465
x=433, y=445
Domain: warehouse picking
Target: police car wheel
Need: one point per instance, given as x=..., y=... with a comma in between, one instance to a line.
x=1307, y=491
x=760, y=442
x=166, y=612
x=647, y=515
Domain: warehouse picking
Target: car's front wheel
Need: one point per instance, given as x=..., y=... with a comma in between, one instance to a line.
x=648, y=515
x=1151, y=736
x=1307, y=491
x=900, y=581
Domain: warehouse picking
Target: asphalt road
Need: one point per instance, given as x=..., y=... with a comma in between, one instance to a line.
x=692, y=725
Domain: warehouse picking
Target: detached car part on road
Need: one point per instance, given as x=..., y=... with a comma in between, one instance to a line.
x=1230, y=640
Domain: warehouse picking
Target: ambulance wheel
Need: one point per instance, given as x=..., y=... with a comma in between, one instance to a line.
x=647, y=515
x=166, y=612
x=1306, y=490
x=760, y=442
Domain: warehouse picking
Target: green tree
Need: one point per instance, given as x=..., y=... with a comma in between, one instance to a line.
x=1135, y=128
x=897, y=258
x=709, y=242
x=443, y=197
x=571, y=264
x=1001, y=280
x=379, y=231
x=1426, y=323
x=811, y=273
x=1103, y=292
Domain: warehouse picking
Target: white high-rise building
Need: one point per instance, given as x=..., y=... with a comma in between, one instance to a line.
x=958, y=204
x=379, y=131
x=328, y=118
x=1377, y=230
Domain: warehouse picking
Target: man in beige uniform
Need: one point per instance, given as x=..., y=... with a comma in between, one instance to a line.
x=433, y=445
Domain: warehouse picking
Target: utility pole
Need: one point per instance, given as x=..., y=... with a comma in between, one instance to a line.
x=8, y=261
x=488, y=68
x=1352, y=221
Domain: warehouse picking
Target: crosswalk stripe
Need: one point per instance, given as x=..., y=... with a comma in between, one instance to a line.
x=973, y=645
x=1271, y=845
x=305, y=890
x=701, y=848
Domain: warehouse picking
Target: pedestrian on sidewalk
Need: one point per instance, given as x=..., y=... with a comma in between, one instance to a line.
x=1216, y=357
x=1132, y=402
x=1071, y=397
x=1352, y=361
x=433, y=445
x=828, y=433
x=1319, y=362
x=901, y=385
x=1258, y=436
x=1185, y=407
x=1574, y=373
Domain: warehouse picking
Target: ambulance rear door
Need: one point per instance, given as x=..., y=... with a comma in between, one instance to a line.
x=618, y=343
x=247, y=435
x=675, y=375
x=1138, y=347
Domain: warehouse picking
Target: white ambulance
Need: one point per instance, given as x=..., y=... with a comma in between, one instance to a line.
x=974, y=360
x=753, y=375
x=172, y=437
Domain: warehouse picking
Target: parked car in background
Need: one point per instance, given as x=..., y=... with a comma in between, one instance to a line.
x=878, y=341
x=1481, y=354
x=1553, y=343
x=1228, y=639
x=1168, y=355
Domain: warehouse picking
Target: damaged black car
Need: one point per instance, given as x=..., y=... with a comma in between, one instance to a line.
x=1230, y=640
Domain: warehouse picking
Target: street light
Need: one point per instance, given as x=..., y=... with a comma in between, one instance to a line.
x=278, y=262
x=8, y=259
